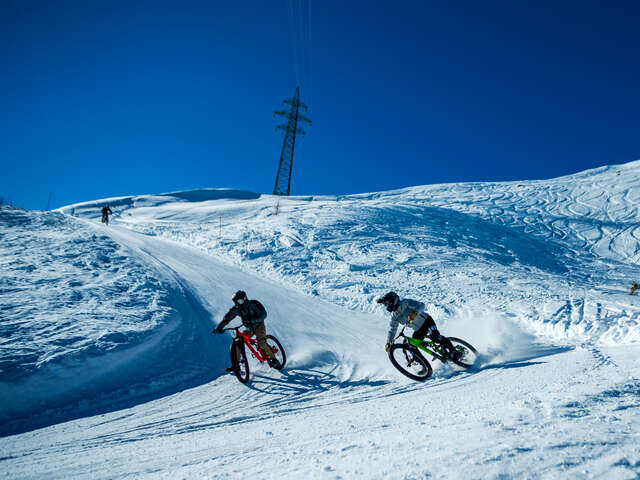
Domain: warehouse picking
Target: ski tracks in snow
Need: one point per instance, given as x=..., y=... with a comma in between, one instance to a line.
x=570, y=411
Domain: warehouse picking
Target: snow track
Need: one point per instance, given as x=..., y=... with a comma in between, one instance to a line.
x=566, y=413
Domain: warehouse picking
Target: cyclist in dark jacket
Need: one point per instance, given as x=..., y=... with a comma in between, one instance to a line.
x=252, y=314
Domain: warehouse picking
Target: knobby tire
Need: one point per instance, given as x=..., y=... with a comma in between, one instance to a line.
x=240, y=368
x=280, y=355
x=409, y=356
x=467, y=360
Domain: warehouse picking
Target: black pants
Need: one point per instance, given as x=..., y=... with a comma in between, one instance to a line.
x=428, y=329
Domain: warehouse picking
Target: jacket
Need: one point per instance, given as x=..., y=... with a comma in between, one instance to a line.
x=251, y=312
x=401, y=317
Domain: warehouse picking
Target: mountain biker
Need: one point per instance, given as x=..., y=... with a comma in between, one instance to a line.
x=411, y=312
x=105, y=214
x=252, y=314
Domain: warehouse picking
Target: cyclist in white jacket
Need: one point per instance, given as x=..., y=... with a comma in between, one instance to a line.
x=411, y=313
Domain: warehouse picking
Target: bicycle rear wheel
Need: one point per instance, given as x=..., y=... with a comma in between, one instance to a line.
x=278, y=351
x=410, y=362
x=468, y=356
x=241, y=366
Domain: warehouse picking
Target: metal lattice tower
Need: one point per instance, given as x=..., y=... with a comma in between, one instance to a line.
x=291, y=129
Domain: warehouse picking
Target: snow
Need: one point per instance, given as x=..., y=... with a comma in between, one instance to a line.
x=86, y=324
x=108, y=368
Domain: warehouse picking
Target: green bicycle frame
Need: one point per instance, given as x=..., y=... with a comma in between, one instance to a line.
x=429, y=346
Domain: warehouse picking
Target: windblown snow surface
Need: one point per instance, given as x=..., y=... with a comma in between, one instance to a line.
x=108, y=368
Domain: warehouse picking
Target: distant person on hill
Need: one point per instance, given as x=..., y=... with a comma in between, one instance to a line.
x=411, y=312
x=252, y=314
x=106, y=211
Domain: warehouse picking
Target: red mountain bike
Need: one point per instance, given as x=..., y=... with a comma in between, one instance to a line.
x=241, y=368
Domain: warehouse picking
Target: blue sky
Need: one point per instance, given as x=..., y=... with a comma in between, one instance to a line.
x=104, y=99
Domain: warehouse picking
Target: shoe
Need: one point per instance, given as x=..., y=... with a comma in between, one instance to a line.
x=273, y=363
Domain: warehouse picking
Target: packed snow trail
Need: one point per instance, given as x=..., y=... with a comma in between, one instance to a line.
x=314, y=324
x=569, y=415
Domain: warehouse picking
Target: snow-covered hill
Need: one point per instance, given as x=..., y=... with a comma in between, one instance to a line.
x=558, y=255
x=111, y=326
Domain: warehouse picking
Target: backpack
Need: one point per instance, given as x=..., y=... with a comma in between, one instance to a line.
x=262, y=311
x=258, y=314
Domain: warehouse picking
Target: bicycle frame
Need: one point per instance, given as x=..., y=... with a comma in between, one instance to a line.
x=429, y=346
x=251, y=342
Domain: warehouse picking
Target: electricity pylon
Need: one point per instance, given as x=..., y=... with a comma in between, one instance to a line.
x=291, y=129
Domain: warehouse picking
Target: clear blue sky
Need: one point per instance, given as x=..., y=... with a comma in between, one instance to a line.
x=101, y=99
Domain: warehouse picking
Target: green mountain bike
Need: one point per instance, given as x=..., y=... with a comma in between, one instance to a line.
x=408, y=358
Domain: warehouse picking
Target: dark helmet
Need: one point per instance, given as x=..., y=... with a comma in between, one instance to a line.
x=391, y=300
x=239, y=297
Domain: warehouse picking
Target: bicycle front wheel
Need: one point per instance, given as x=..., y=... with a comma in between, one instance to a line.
x=239, y=361
x=468, y=354
x=408, y=360
x=278, y=351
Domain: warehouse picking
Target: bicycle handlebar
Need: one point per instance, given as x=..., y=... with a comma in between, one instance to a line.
x=231, y=328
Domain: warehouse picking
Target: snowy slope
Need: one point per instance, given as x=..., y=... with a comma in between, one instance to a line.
x=86, y=326
x=535, y=274
x=557, y=255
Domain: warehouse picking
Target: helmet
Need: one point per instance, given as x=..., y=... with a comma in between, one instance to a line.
x=239, y=297
x=391, y=300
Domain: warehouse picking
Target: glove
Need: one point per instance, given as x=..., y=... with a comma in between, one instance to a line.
x=387, y=347
x=412, y=315
x=218, y=329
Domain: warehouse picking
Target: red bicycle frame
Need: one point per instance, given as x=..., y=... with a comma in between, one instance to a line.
x=251, y=342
